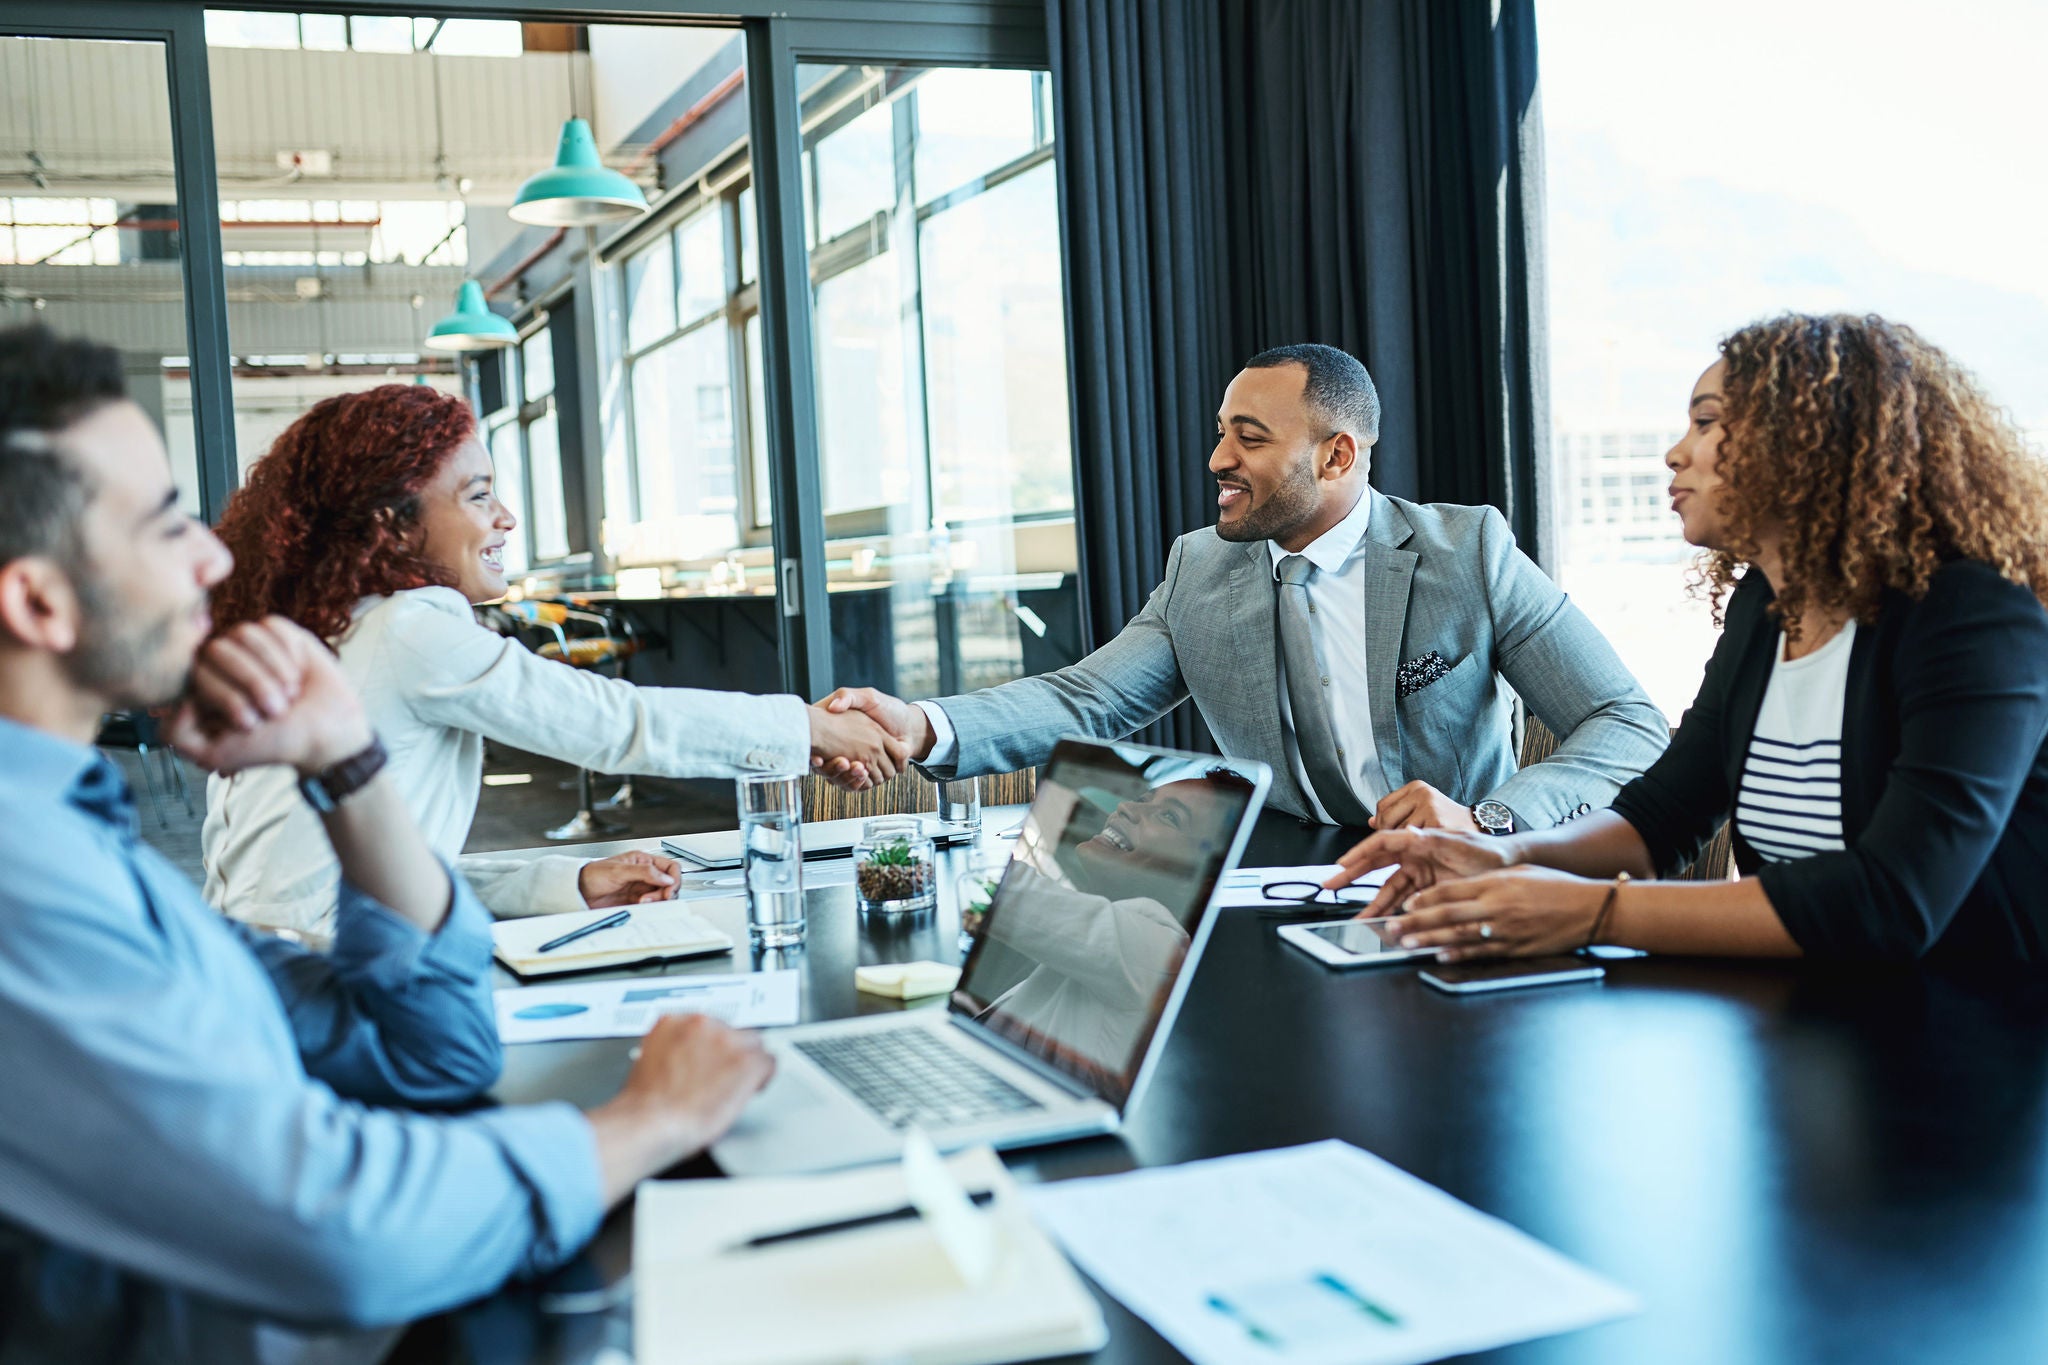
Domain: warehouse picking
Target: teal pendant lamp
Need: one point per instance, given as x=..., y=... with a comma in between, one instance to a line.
x=579, y=189
x=472, y=326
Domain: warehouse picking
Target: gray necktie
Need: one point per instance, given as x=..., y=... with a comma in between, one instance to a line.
x=1308, y=691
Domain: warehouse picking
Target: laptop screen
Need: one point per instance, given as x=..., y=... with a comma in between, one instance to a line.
x=1083, y=942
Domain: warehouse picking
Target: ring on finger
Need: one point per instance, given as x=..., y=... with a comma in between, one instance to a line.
x=1485, y=930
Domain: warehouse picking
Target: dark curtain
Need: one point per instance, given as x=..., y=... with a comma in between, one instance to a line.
x=1238, y=174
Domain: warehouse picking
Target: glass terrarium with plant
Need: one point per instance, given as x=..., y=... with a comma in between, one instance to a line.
x=893, y=868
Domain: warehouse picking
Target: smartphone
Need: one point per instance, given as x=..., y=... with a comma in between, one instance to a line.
x=1466, y=978
x=1352, y=942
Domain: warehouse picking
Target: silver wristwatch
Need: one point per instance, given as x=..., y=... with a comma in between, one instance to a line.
x=1493, y=818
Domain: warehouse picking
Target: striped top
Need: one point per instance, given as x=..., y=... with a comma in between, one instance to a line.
x=1790, y=802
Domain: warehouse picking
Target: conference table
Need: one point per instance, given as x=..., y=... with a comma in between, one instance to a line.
x=1785, y=1162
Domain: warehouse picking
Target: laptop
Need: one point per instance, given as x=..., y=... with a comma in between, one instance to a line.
x=1078, y=968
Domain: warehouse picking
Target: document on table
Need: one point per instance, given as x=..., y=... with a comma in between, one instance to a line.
x=1317, y=1255
x=627, y=1007
x=1241, y=886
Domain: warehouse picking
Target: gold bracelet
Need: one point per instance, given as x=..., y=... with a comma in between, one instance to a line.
x=1606, y=907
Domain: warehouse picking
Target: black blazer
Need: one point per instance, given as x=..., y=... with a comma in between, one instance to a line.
x=1944, y=774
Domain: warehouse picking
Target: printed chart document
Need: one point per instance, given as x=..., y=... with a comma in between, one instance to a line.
x=628, y=1008
x=1241, y=886
x=1317, y=1255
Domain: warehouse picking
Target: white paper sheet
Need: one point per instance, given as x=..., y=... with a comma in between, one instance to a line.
x=627, y=1007
x=1316, y=1255
x=1241, y=886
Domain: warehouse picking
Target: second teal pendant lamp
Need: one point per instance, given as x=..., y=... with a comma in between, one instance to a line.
x=579, y=188
x=472, y=326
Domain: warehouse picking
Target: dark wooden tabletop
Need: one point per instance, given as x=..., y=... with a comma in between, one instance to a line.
x=1785, y=1162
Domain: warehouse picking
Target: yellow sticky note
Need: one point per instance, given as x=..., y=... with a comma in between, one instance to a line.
x=906, y=980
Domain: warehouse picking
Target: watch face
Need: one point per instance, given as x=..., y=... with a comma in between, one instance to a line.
x=1493, y=817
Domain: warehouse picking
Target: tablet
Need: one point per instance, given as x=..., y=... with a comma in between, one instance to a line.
x=1352, y=942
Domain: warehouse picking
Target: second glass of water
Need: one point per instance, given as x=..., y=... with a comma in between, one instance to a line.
x=960, y=804
x=772, y=836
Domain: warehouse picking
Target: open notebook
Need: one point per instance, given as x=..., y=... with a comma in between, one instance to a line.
x=899, y=1292
x=657, y=932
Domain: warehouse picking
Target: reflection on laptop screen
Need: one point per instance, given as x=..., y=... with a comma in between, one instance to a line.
x=1084, y=940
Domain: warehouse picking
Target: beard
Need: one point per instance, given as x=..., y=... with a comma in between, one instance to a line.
x=123, y=655
x=1289, y=506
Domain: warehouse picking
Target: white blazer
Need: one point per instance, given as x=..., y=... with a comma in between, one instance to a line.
x=436, y=685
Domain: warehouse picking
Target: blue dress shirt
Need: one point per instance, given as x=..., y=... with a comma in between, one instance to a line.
x=204, y=1126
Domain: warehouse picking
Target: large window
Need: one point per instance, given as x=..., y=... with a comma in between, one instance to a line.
x=945, y=456
x=526, y=452
x=1870, y=180
x=688, y=313
x=944, y=463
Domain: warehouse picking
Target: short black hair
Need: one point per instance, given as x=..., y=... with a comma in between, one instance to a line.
x=47, y=382
x=1339, y=391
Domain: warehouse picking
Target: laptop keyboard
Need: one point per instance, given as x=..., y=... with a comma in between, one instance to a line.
x=907, y=1077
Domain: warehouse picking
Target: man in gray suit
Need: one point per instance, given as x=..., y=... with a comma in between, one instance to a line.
x=1354, y=642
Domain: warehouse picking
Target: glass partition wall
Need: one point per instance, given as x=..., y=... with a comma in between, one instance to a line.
x=943, y=460
x=90, y=216
x=816, y=440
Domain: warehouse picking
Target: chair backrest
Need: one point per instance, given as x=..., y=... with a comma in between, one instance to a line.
x=1716, y=862
x=909, y=793
x=1537, y=741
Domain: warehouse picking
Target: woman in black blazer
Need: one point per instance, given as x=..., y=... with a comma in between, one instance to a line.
x=1848, y=480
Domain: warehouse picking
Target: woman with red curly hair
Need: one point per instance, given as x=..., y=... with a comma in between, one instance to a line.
x=1875, y=717
x=372, y=523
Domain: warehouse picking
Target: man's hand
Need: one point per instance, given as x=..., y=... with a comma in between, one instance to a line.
x=693, y=1077
x=629, y=879
x=851, y=749
x=1421, y=806
x=268, y=692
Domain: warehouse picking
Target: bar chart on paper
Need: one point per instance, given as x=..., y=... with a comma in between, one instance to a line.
x=1321, y=1255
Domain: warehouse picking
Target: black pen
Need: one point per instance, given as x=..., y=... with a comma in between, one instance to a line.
x=608, y=922
x=981, y=1198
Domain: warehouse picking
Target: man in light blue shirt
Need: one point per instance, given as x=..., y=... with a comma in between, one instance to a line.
x=205, y=1128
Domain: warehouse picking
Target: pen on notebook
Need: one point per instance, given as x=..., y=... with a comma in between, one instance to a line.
x=608, y=922
x=981, y=1198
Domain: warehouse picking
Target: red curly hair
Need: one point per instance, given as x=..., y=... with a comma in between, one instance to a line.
x=331, y=514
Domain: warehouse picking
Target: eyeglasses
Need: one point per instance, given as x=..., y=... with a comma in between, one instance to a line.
x=1308, y=898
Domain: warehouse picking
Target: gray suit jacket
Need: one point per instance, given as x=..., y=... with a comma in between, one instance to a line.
x=1439, y=578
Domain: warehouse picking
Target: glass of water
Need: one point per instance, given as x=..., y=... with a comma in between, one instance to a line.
x=960, y=804
x=772, y=837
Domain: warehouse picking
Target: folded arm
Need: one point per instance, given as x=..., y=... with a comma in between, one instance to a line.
x=392, y=1014
x=160, y=1121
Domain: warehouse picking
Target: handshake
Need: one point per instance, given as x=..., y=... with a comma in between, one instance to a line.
x=861, y=738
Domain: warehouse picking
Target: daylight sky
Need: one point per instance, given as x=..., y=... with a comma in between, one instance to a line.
x=1713, y=161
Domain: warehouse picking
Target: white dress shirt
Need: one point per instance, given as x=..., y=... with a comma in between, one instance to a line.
x=1336, y=594
x=436, y=685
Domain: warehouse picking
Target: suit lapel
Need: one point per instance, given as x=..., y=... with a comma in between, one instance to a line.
x=1251, y=622
x=1389, y=573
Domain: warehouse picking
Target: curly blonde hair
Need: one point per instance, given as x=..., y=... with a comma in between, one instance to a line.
x=1876, y=457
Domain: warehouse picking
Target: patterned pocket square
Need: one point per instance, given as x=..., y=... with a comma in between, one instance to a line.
x=1417, y=674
